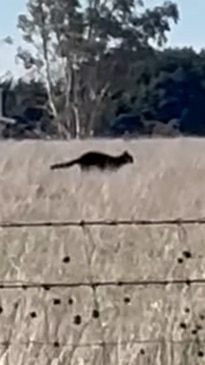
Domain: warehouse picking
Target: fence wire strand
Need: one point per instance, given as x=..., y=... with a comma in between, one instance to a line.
x=104, y=222
x=47, y=285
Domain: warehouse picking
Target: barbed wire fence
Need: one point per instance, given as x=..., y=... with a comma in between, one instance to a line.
x=104, y=222
x=85, y=226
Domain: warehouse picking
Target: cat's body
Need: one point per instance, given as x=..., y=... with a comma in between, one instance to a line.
x=99, y=160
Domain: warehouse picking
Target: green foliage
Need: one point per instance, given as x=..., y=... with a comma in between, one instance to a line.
x=168, y=95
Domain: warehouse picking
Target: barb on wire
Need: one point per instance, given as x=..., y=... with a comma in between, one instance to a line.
x=94, y=284
x=104, y=222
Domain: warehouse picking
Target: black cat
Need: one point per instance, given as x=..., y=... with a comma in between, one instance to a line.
x=97, y=160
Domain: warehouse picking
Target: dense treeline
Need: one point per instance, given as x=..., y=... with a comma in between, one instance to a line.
x=166, y=98
x=99, y=74
x=169, y=95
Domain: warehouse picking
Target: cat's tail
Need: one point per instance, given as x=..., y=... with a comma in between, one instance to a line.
x=63, y=165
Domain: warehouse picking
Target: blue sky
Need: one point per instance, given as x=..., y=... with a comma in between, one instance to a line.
x=189, y=32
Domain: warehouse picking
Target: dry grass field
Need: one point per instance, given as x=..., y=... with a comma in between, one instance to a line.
x=108, y=324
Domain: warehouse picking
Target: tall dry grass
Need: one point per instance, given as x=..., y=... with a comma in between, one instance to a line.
x=167, y=180
x=138, y=324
